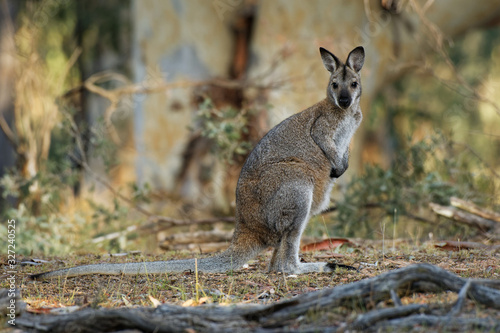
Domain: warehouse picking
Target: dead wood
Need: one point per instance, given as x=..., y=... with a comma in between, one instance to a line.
x=432, y=323
x=366, y=294
x=202, y=241
x=197, y=237
x=368, y=320
x=10, y=302
x=208, y=247
x=484, y=225
x=474, y=209
x=369, y=292
x=158, y=223
x=460, y=245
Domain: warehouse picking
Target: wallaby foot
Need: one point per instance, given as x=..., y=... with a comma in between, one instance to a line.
x=302, y=268
x=314, y=267
x=322, y=267
x=310, y=267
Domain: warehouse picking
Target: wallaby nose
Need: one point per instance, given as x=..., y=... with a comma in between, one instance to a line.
x=344, y=101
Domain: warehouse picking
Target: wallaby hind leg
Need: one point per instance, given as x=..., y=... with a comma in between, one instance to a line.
x=280, y=262
x=286, y=256
x=286, y=259
x=289, y=212
x=273, y=265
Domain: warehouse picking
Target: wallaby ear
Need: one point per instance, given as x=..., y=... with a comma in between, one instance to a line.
x=330, y=61
x=356, y=58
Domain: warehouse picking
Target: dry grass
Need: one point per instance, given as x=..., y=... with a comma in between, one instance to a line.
x=249, y=285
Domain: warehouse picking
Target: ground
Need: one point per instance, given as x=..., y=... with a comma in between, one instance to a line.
x=251, y=284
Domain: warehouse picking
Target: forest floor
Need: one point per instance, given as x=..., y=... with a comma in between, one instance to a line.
x=250, y=285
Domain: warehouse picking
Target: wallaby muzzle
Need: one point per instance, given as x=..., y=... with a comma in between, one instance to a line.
x=344, y=99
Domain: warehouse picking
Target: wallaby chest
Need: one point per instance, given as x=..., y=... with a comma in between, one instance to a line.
x=344, y=131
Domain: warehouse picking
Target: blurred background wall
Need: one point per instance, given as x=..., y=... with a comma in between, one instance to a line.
x=277, y=42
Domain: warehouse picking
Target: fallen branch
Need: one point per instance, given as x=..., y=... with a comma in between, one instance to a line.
x=206, y=241
x=199, y=236
x=474, y=209
x=484, y=225
x=167, y=222
x=200, y=247
x=365, y=294
x=115, y=235
x=459, y=245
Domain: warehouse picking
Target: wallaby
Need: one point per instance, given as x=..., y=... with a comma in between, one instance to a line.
x=285, y=180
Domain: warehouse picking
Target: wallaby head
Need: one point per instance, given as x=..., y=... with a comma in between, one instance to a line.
x=344, y=88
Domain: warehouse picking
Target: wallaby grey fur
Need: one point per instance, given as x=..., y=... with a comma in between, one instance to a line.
x=286, y=179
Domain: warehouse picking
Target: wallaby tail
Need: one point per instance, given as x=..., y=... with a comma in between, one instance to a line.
x=238, y=253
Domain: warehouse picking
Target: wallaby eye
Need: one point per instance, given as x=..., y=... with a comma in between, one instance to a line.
x=354, y=84
x=335, y=85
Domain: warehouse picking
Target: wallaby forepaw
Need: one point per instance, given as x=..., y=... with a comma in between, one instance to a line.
x=336, y=173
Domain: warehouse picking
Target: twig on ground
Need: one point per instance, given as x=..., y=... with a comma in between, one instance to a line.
x=462, y=296
x=395, y=298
